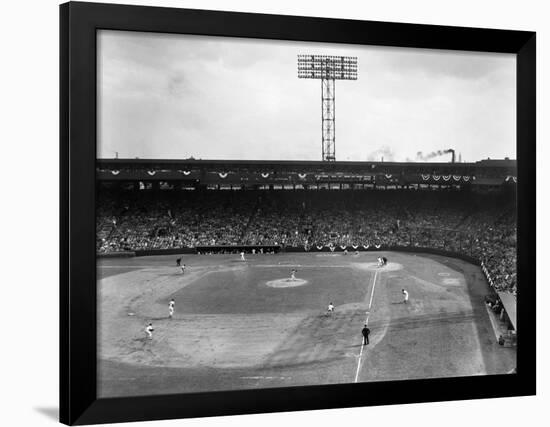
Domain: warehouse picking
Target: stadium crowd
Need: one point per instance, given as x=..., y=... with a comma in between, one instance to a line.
x=482, y=226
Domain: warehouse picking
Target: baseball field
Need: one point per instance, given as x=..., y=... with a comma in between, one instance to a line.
x=247, y=324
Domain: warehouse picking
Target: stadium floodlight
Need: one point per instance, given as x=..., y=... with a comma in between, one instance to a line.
x=328, y=69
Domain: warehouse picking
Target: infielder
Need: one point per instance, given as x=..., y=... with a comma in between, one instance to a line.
x=149, y=330
x=330, y=308
x=382, y=261
x=405, y=296
x=293, y=275
x=171, y=307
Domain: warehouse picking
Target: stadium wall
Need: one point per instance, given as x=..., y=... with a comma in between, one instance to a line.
x=414, y=249
x=296, y=249
x=214, y=248
x=177, y=251
x=120, y=254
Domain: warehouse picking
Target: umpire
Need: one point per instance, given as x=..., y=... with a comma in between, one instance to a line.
x=365, y=331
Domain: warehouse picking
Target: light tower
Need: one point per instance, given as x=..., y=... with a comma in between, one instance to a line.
x=328, y=69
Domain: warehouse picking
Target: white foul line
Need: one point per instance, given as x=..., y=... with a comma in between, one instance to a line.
x=366, y=322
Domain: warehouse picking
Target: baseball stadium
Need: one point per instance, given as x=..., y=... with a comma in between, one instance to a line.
x=224, y=275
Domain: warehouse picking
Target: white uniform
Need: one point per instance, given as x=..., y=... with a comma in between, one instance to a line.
x=330, y=308
x=406, y=296
x=183, y=269
x=242, y=256
x=171, y=307
x=149, y=330
x=293, y=275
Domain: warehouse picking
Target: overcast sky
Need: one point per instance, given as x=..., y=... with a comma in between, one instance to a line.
x=177, y=96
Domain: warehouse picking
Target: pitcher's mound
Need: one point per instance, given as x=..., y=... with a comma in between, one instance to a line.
x=373, y=266
x=286, y=283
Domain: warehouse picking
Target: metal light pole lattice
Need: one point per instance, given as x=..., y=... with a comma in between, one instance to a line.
x=328, y=69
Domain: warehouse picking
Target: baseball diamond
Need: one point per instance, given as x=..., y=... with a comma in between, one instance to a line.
x=232, y=329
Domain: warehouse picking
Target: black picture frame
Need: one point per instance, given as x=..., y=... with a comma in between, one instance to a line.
x=78, y=25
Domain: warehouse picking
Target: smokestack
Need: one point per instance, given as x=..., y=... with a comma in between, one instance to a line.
x=450, y=150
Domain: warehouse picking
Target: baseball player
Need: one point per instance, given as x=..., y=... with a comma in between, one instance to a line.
x=149, y=330
x=171, y=307
x=182, y=269
x=330, y=308
x=365, y=332
x=405, y=296
x=242, y=256
x=293, y=275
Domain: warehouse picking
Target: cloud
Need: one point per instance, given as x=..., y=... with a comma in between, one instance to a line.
x=165, y=95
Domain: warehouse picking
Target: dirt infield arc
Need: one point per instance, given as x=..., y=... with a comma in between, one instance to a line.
x=233, y=330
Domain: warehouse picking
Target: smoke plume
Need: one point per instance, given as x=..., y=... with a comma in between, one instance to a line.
x=422, y=156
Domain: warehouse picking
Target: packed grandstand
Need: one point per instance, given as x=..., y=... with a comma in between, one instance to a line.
x=478, y=221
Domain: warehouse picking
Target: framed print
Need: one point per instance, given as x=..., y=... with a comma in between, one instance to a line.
x=227, y=249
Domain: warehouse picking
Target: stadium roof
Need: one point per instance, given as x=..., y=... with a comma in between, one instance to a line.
x=262, y=172
x=300, y=163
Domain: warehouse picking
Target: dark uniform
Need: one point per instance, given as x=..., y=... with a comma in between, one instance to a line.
x=365, y=331
x=178, y=262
